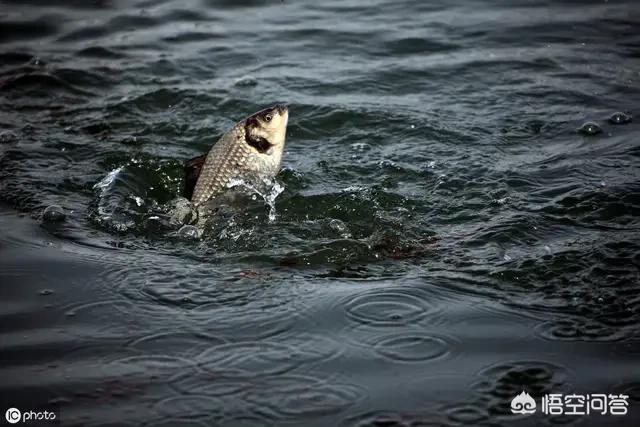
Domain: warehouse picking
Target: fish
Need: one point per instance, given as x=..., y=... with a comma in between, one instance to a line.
x=250, y=151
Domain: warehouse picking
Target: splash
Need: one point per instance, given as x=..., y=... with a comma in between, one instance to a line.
x=104, y=185
x=268, y=189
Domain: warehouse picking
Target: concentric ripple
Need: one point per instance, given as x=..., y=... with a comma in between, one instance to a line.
x=412, y=347
x=388, y=307
x=195, y=407
x=299, y=397
x=151, y=366
x=579, y=330
x=259, y=358
x=448, y=232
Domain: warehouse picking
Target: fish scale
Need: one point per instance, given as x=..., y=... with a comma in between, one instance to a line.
x=222, y=164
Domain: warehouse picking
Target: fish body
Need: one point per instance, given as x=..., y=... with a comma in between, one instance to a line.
x=250, y=151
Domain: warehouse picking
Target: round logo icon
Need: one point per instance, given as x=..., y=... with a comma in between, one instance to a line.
x=13, y=415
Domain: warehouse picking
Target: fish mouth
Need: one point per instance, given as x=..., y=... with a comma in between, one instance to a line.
x=281, y=108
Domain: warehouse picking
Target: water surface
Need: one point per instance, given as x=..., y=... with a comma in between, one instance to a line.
x=446, y=237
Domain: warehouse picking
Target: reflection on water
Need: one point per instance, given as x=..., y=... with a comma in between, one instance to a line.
x=456, y=221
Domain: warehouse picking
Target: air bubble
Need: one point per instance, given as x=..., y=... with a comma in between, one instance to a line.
x=619, y=118
x=53, y=213
x=590, y=128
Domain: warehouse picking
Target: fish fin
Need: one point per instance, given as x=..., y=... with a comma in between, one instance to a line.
x=192, y=168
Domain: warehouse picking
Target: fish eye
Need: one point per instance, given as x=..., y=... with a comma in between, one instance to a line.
x=268, y=117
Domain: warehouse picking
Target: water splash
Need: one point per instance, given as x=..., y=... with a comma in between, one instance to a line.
x=268, y=189
x=104, y=185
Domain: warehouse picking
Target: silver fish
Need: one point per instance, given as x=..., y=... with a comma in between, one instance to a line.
x=251, y=151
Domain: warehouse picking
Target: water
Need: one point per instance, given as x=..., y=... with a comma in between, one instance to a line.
x=447, y=236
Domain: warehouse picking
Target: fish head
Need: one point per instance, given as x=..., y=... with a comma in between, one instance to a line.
x=265, y=131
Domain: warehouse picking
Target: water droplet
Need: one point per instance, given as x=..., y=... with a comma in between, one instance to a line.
x=384, y=307
x=53, y=213
x=269, y=189
x=619, y=118
x=590, y=128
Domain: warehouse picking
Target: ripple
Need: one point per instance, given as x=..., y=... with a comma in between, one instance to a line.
x=302, y=396
x=251, y=307
x=393, y=419
x=260, y=358
x=466, y=414
x=577, y=330
x=410, y=347
x=247, y=420
x=190, y=407
x=388, y=307
x=108, y=319
x=184, y=344
x=396, y=136
x=208, y=384
x=149, y=366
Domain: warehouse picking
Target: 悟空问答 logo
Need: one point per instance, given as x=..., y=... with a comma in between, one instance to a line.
x=523, y=404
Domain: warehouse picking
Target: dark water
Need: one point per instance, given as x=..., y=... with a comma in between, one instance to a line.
x=446, y=237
